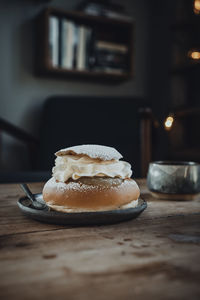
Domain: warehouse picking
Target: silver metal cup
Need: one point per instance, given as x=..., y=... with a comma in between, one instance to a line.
x=174, y=177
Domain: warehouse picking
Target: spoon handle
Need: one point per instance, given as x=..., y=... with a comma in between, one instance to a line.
x=27, y=191
x=31, y=197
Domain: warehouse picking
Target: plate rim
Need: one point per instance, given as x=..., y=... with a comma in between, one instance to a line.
x=22, y=207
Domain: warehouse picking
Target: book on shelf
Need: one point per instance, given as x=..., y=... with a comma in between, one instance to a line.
x=109, y=46
x=68, y=41
x=106, y=9
x=111, y=57
x=54, y=40
x=111, y=66
x=116, y=15
x=83, y=47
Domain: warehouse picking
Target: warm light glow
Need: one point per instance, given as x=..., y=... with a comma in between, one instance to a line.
x=168, y=122
x=194, y=54
x=197, y=6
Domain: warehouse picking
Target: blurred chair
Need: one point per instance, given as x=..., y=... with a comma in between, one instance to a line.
x=32, y=145
x=121, y=122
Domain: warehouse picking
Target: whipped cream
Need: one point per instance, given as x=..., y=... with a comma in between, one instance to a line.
x=72, y=166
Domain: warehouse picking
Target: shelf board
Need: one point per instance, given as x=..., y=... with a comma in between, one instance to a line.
x=94, y=75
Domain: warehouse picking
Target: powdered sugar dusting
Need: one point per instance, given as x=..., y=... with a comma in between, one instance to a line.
x=73, y=186
x=84, y=187
x=93, y=151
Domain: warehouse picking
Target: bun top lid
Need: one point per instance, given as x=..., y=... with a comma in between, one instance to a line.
x=93, y=151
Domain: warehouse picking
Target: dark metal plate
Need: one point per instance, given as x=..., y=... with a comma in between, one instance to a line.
x=79, y=219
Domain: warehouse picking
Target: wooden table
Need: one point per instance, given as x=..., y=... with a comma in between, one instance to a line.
x=156, y=256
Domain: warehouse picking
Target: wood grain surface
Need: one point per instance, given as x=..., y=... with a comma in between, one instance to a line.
x=156, y=256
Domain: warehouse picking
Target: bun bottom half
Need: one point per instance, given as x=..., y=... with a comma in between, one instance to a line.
x=91, y=194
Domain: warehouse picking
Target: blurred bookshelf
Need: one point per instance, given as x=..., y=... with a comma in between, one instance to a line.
x=78, y=45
